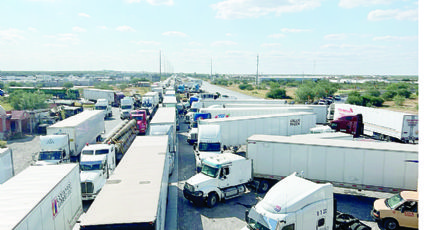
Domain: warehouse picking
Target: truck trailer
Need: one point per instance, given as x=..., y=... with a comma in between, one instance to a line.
x=83, y=128
x=378, y=123
x=135, y=196
x=6, y=164
x=47, y=197
x=166, y=116
x=110, y=95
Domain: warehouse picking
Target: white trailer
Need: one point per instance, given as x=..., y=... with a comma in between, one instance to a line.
x=135, y=196
x=6, y=164
x=46, y=197
x=209, y=102
x=321, y=111
x=83, y=128
x=381, y=123
x=380, y=166
x=235, y=131
x=169, y=101
x=166, y=116
x=251, y=111
x=96, y=94
x=150, y=100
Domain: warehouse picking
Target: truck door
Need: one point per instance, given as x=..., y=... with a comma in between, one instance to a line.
x=223, y=176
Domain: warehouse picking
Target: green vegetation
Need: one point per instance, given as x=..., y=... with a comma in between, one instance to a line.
x=21, y=100
x=3, y=144
x=277, y=93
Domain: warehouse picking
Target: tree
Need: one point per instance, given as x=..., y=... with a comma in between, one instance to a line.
x=21, y=100
x=305, y=92
x=276, y=93
x=68, y=85
x=373, y=92
x=399, y=100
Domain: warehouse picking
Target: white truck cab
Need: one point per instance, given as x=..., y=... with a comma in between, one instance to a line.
x=223, y=176
x=294, y=203
x=54, y=149
x=93, y=174
x=102, y=149
x=208, y=144
x=127, y=105
x=103, y=104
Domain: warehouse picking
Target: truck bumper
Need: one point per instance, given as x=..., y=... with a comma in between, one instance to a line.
x=195, y=199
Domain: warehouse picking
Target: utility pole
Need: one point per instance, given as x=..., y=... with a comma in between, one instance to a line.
x=211, y=70
x=160, y=64
x=256, y=80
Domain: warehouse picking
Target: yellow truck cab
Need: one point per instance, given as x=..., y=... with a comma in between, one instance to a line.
x=400, y=210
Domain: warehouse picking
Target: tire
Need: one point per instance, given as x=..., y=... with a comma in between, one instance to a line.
x=212, y=200
x=264, y=186
x=390, y=224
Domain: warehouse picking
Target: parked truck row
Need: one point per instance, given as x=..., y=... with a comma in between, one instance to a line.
x=6, y=164
x=375, y=166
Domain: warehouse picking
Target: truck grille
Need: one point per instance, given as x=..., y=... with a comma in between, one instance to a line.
x=87, y=187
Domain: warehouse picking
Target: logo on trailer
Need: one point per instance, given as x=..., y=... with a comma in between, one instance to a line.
x=222, y=115
x=277, y=208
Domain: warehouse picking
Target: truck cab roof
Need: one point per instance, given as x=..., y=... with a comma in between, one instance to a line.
x=92, y=158
x=222, y=159
x=293, y=193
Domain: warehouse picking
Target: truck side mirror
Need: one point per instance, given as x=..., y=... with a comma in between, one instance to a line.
x=194, y=147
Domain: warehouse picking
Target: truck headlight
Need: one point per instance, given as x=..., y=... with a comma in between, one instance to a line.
x=198, y=193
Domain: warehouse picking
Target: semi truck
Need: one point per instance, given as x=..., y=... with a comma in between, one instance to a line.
x=167, y=130
x=169, y=101
x=95, y=94
x=139, y=184
x=6, y=164
x=53, y=202
x=150, y=100
x=386, y=167
x=103, y=105
x=126, y=106
x=378, y=123
x=234, y=131
x=71, y=134
x=299, y=204
x=141, y=120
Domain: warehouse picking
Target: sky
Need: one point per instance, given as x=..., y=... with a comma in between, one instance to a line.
x=220, y=36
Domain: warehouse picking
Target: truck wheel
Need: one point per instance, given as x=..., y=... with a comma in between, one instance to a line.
x=390, y=224
x=264, y=186
x=212, y=199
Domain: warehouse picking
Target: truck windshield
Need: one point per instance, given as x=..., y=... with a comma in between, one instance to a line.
x=139, y=118
x=88, y=152
x=210, y=171
x=126, y=107
x=394, y=201
x=253, y=220
x=100, y=107
x=87, y=166
x=53, y=155
x=102, y=151
x=209, y=147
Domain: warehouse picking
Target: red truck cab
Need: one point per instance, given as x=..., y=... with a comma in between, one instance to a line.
x=349, y=124
x=141, y=121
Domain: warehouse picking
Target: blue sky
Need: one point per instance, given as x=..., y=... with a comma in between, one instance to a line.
x=290, y=36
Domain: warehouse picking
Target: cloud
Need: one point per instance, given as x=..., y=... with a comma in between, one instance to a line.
x=11, y=35
x=356, y=3
x=395, y=38
x=271, y=45
x=102, y=27
x=379, y=15
x=350, y=46
x=223, y=43
x=148, y=43
x=287, y=30
x=175, y=34
x=276, y=36
x=230, y=9
x=84, y=15
x=335, y=36
x=61, y=39
x=125, y=29
x=32, y=29
x=153, y=2
x=194, y=44
x=78, y=29
x=229, y=35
